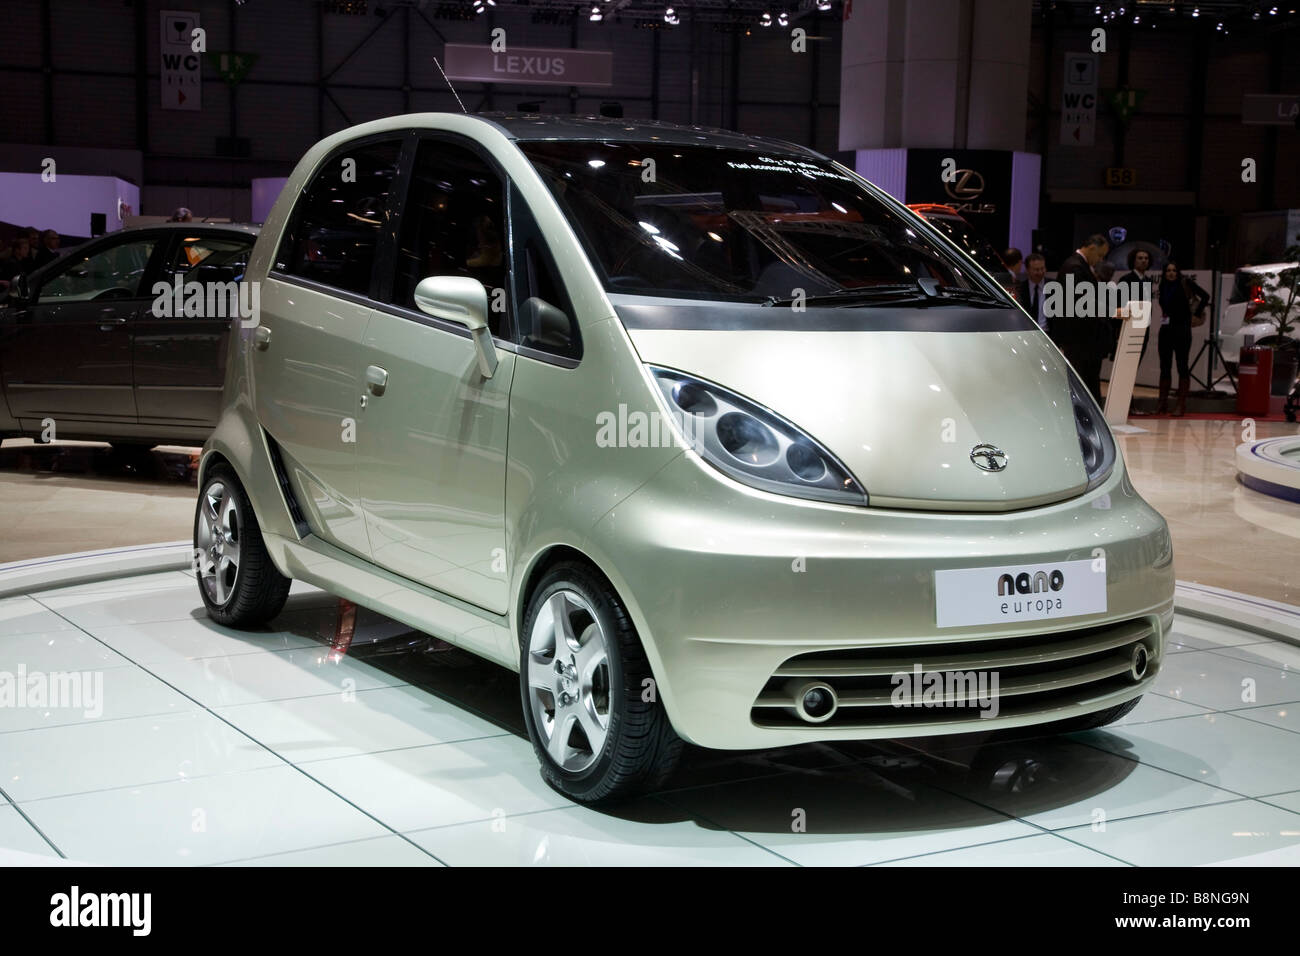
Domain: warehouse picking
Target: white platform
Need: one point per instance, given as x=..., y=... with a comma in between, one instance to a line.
x=216, y=746
x=1271, y=466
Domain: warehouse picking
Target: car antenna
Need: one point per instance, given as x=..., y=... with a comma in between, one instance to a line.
x=450, y=87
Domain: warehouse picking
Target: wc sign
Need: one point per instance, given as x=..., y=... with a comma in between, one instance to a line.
x=180, y=67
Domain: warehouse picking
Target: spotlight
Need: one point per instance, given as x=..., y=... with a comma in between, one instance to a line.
x=1196, y=11
x=823, y=5
x=765, y=20
x=596, y=15
x=783, y=19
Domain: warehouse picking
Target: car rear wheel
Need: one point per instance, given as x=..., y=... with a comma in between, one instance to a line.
x=590, y=703
x=239, y=584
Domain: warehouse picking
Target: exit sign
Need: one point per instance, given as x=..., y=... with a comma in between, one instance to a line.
x=1120, y=176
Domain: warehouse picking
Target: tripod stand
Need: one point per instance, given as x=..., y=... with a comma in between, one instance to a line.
x=1211, y=343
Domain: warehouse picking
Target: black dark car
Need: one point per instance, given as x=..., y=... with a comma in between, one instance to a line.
x=89, y=344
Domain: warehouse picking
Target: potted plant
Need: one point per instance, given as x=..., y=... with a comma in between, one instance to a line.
x=1278, y=307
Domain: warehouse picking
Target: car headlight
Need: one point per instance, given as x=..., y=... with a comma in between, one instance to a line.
x=753, y=444
x=1095, y=440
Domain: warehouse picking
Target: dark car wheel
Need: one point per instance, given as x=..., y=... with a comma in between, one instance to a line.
x=239, y=584
x=593, y=714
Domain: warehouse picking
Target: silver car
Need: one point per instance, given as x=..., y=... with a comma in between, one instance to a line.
x=706, y=437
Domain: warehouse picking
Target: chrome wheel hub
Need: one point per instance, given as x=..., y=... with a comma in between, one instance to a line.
x=568, y=681
x=218, y=536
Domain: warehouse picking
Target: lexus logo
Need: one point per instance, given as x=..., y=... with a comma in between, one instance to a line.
x=987, y=457
x=966, y=185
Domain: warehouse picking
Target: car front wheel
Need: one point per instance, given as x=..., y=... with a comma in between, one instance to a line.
x=239, y=584
x=590, y=702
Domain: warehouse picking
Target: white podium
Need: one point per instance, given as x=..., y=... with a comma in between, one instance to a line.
x=1128, y=352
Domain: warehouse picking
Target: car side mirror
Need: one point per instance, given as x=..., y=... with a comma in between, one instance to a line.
x=20, y=289
x=462, y=300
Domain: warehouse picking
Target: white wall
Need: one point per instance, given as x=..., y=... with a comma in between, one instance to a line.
x=66, y=203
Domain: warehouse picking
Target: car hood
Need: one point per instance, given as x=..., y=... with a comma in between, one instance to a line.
x=903, y=403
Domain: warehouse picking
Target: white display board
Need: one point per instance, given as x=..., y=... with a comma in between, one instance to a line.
x=1128, y=352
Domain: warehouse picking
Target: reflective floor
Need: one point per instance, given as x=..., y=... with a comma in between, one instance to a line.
x=304, y=745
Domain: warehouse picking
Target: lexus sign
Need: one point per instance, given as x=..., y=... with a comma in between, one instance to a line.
x=528, y=66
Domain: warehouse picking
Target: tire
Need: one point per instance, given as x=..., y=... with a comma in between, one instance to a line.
x=244, y=590
x=639, y=749
x=1092, y=721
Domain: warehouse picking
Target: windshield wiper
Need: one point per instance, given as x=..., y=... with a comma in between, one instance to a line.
x=956, y=293
x=843, y=296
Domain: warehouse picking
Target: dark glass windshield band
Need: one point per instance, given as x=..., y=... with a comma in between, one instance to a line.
x=737, y=225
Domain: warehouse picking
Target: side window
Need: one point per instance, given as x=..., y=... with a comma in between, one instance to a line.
x=453, y=224
x=336, y=224
x=112, y=273
x=209, y=259
x=545, y=315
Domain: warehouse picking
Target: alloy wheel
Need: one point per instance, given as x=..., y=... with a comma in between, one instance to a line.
x=568, y=680
x=217, y=542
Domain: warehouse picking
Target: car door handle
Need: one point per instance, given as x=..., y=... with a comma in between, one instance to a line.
x=376, y=379
x=262, y=338
x=109, y=320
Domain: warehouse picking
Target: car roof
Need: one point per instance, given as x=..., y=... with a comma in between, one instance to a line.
x=526, y=127
x=244, y=228
x=1269, y=267
x=935, y=210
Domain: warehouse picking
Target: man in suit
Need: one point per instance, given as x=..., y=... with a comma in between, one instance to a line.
x=1139, y=273
x=1084, y=339
x=1030, y=292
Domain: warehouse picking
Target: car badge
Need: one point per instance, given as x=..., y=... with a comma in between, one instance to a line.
x=988, y=457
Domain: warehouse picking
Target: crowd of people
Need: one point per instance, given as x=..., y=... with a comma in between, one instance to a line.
x=1088, y=340
x=26, y=252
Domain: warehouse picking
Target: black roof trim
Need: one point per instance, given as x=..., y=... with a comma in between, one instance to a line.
x=536, y=126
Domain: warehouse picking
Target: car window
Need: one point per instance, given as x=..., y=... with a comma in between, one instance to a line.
x=112, y=273
x=209, y=259
x=545, y=316
x=717, y=223
x=336, y=224
x=973, y=244
x=453, y=224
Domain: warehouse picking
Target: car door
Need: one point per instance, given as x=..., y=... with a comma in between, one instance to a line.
x=431, y=441
x=315, y=305
x=180, y=342
x=68, y=351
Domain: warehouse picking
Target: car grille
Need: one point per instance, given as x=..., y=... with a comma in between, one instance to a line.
x=1038, y=673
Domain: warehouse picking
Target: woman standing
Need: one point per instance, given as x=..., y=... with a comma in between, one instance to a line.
x=1180, y=300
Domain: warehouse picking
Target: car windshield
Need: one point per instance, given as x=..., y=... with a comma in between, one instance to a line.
x=973, y=244
x=739, y=225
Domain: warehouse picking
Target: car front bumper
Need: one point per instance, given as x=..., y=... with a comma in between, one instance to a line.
x=726, y=585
